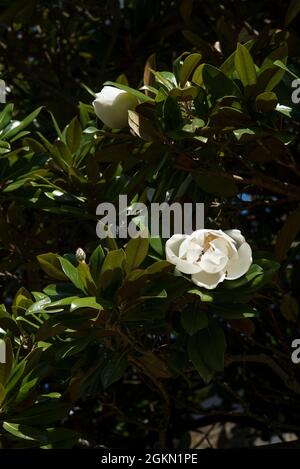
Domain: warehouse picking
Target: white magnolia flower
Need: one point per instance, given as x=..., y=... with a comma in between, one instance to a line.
x=210, y=256
x=112, y=105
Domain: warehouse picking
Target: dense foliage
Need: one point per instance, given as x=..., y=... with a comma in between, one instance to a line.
x=108, y=346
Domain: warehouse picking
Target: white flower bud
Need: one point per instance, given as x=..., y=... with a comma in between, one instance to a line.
x=112, y=105
x=80, y=255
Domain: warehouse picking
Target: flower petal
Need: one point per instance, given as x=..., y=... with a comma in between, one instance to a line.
x=213, y=261
x=189, y=243
x=238, y=267
x=206, y=280
x=237, y=236
x=111, y=106
x=173, y=245
x=221, y=244
x=216, y=233
x=194, y=252
x=172, y=255
x=186, y=267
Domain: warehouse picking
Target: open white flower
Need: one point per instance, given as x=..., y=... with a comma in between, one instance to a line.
x=210, y=256
x=112, y=105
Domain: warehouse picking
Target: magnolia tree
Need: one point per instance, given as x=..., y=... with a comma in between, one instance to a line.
x=122, y=340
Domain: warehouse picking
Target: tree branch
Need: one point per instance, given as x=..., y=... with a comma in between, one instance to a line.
x=289, y=382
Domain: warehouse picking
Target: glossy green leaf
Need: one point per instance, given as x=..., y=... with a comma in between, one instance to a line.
x=96, y=261
x=136, y=251
x=245, y=66
x=195, y=355
x=193, y=319
x=48, y=410
x=64, y=152
x=72, y=273
x=171, y=114
x=86, y=277
x=206, y=350
x=228, y=66
x=88, y=302
x=6, y=115
x=22, y=125
x=281, y=65
x=50, y=264
x=188, y=66
x=73, y=134
x=157, y=245
x=266, y=102
x=203, y=294
x=25, y=432
x=217, y=83
x=270, y=75
x=112, y=269
x=142, y=126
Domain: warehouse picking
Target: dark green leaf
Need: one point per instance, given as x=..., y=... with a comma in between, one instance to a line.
x=217, y=83
x=193, y=319
x=22, y=125
x=113, y=268
x=188, y=66
x=245, y=66
x=113, y=370
x=136, y=251
x=51, y=265
x=95, y=263
x=171, y=114
x=266, y=101
x=88, y=302
x=72, y=273
x=25, y=432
